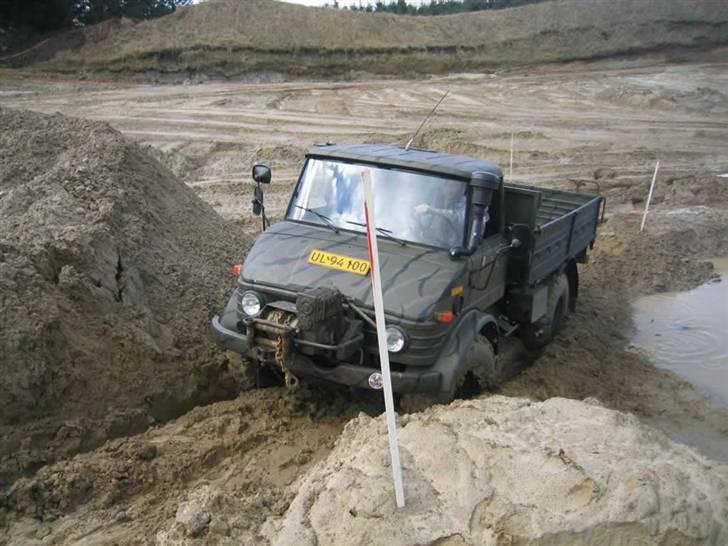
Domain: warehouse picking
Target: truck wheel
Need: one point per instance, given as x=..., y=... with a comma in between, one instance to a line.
x=480, y=370
x=486, y=369
x=537, y=335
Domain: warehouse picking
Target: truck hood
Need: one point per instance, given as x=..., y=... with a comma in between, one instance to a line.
x=416, y=281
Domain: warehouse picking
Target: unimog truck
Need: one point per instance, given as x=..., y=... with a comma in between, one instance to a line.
x=466, y=262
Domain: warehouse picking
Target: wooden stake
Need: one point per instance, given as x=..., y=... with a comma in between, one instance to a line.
x=649, y=197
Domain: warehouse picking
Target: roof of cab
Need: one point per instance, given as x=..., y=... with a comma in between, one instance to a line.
x=393, y=156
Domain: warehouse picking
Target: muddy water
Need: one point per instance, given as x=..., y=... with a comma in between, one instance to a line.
x=687, y=333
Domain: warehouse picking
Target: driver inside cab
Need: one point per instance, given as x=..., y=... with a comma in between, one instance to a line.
x=444, y=216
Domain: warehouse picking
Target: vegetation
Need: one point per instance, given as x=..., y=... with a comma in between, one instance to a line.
x=47, y=15
x=231, y=38
x=437, y=7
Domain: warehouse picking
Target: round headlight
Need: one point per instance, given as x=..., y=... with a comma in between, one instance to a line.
x=251, y=304
x=396, y=339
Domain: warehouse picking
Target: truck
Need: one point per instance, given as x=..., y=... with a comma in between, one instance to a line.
x=467, y=262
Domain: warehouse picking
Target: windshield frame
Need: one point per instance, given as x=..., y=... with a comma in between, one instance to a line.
x=384, y=167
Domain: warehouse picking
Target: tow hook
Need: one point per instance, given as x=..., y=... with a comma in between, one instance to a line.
x=290, y=379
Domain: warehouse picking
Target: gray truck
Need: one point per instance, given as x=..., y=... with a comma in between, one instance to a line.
x=466, y=260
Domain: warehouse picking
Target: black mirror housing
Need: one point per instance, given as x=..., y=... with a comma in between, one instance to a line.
x=261, y=173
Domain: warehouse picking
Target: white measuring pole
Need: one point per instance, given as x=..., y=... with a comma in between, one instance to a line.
x=382, y=337
x=649, y=197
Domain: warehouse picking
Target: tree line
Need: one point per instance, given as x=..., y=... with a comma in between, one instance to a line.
x=435, y=7
x=47, y=15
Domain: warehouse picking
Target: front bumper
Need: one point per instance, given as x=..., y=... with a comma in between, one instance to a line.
x=344, y=374
x=358, y=376
x=230, y=339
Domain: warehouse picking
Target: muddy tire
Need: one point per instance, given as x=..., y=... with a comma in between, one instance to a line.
x=486, y=369
x=480, y=371
x=536, y=336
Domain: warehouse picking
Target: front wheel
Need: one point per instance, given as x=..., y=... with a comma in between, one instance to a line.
x=479, y=370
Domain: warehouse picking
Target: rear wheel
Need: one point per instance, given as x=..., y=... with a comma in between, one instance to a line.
x=537, y=335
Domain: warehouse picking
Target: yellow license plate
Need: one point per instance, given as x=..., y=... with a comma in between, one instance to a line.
x=337, y=261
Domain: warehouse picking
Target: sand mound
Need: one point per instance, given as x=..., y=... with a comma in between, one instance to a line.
x=507, y=471
x=109, y=271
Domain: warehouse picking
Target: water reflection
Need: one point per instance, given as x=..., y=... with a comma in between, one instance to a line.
x=687, y=333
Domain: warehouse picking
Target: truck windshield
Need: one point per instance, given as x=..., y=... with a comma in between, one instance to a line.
x=409, y=206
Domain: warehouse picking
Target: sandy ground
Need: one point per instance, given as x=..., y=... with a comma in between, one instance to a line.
x=574, y=126
x=568, y=122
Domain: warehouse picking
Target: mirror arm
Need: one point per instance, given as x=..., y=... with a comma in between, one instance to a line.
x=263, y=217
x=458, y=252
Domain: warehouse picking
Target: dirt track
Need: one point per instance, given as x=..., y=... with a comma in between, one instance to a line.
x=574, y=126
x=568, y=121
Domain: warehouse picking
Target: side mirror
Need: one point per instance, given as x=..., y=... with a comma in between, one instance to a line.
x=261, y=174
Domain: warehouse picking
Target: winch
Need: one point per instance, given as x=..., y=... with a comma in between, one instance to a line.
x=320, y=314
x=316, y=326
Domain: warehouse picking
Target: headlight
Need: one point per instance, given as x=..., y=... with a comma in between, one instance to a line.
x=251, y=304
x=396, y=340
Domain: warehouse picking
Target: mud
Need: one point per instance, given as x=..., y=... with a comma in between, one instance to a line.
x=571, y=129
x=110, y=269
x=251, y=449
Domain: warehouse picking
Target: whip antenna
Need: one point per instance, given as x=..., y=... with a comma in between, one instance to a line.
x=425, y=120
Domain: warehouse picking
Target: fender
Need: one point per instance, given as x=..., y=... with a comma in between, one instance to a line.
x=229, y=317
x=452, y=357
x=225, y=331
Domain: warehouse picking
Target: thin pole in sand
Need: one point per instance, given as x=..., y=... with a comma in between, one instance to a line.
x=649, y=197
x=385, y=380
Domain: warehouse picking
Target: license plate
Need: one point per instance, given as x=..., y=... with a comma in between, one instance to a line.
x=337, y=261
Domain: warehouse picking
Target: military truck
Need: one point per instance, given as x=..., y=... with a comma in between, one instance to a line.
x=466, y=260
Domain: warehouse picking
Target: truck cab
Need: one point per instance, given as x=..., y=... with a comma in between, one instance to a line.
x=458, y=251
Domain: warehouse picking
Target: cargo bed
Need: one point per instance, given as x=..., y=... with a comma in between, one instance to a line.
x=553, y=226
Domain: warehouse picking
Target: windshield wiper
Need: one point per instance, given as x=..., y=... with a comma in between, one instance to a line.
x=326, y=219
x=385, y=232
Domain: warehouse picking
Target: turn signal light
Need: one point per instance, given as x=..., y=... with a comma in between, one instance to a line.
x=236, y=270
x=444, y=317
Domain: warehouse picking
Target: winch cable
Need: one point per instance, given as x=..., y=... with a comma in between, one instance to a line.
x=362, y=314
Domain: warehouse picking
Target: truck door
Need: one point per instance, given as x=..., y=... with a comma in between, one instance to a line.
x=487, y=276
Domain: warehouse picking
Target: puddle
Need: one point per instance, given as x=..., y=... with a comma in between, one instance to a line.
x=687, y=333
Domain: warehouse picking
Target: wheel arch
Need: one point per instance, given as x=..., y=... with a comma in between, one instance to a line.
x=572, y=276
x=452, y=358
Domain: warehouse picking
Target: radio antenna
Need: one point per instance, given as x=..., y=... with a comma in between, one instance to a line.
x=425, y=121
